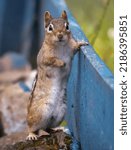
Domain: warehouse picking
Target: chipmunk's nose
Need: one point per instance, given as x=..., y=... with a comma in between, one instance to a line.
x=60, y=36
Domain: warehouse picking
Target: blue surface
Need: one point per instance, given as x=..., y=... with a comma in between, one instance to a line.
x=17, y=26
x=24, y=87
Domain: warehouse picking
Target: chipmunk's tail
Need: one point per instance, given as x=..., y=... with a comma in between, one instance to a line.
x=32, y=91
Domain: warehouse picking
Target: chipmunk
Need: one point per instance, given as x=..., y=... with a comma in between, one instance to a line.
x=47, y=103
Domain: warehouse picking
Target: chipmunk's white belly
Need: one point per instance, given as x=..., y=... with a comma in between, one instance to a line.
x=59, y=79
x=58, y=94
x=58, y=99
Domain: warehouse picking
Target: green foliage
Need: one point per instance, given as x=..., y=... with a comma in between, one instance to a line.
x=96, y=20
x=63, y=124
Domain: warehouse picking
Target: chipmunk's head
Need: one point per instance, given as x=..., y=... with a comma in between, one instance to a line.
x=57, y=29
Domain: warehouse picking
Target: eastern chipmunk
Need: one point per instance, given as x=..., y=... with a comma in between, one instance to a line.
x=47, y=103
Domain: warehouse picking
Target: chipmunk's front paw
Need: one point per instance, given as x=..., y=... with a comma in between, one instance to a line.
x=60, y=63
x=32, y=137
x=82, y=43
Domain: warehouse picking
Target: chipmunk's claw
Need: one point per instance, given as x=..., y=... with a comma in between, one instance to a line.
x=32, y=137
x=83, y=43
x=86, y=43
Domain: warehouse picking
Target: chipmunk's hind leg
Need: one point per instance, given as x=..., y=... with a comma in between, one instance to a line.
x=32, y=136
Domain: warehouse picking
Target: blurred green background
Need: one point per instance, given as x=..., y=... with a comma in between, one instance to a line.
x=96, y=18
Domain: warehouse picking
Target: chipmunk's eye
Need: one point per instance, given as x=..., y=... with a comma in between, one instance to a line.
x=67, y=27
x=50, y=28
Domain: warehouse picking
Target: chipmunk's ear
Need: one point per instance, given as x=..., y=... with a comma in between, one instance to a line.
x=64, y=15
x=47, y=18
